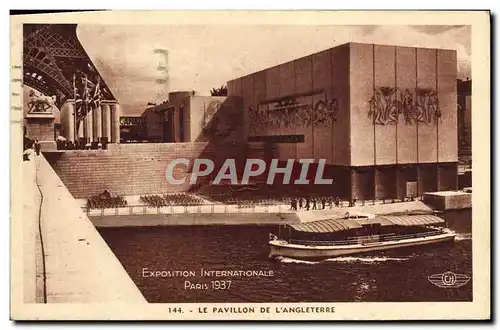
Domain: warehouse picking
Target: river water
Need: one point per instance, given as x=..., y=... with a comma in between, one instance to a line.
x=400, y=275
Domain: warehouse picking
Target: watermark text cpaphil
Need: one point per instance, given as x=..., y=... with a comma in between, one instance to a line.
x=253, y=167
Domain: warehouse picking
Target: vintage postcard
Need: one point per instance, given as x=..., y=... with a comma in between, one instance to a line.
x=250, y=165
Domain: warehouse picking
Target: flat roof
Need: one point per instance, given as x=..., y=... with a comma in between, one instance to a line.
x=338, y=46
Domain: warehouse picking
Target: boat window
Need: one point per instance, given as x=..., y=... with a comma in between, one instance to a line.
x=371, y=229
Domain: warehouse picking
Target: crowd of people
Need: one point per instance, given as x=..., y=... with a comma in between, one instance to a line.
x=252, y=195
x=105, y=200
x=306, y=203
x=313, y=202
x=230, y=199
x=171, y=199
x=296, y=203
x=297, y=200
x=318, y=203
x=81, y=144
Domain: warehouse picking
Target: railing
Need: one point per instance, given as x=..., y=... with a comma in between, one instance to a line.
x=270, y=206
x=341, y=203
x=207, y=208
x=367, y=239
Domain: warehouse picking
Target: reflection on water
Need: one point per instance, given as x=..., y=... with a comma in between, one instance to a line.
x=399, y=275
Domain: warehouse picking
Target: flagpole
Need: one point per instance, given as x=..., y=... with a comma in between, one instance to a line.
x=98, y=110
x=84, y=103
x=75, y=133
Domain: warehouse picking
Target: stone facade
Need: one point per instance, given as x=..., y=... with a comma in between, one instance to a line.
x=376, y=110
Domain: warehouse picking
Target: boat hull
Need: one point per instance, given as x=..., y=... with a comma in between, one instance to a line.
x=283, y=249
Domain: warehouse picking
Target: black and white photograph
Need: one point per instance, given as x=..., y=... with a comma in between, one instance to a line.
x=244, y=168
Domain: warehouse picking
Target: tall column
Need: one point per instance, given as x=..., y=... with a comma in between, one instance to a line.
x=97, y=124
x=115, y=123
x=90, y=125
x=68, y=119
x=106, y=120
x=112, y=123
x=81, y=129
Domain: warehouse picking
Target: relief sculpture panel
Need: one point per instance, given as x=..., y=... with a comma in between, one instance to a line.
x=290, y=113
x=418, y=105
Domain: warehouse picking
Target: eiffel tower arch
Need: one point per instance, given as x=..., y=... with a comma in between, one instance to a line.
x=53, y=59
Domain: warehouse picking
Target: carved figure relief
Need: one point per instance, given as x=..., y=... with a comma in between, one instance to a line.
x=290, y=113
x=326, y=113
x=383, y=106
x=427, y=106
x=418, y=105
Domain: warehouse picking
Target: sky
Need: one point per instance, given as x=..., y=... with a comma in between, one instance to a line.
x=202, y=57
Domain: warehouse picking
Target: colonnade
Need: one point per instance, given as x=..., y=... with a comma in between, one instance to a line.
x=101, y=122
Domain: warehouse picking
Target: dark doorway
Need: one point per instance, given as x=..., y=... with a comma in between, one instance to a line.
x=168, y=125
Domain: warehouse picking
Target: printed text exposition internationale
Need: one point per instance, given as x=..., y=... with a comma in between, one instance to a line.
x=146, y=272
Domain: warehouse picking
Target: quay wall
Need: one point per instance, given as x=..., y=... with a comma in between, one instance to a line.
x=272, y=215
x=76, y=264
x=194, y=219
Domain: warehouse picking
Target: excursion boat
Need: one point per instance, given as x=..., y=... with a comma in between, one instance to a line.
x=357, y=234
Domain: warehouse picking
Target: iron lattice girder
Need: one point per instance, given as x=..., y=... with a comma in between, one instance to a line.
x=62, y=52
x=50, y=69
x=33, y=83
x=56, y=45
x=54, y=51
x=37, y=80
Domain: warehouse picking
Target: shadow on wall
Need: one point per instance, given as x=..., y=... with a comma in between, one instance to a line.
x=223, y=132
x=223, y=121
x=225, y=137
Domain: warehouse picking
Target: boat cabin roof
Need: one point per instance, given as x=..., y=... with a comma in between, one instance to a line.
x=338, y=225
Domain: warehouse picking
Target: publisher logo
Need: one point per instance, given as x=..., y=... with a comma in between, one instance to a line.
x=449, y=280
